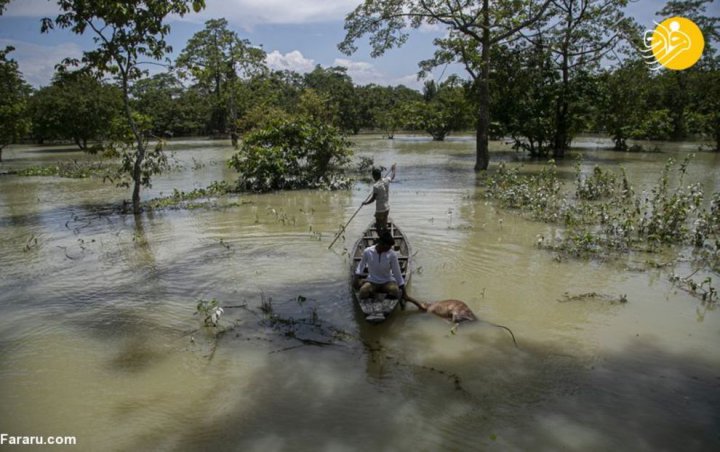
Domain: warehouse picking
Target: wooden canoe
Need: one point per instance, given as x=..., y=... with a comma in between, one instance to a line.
x=378, y=309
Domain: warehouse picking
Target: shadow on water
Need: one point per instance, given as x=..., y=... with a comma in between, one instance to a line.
x=643, y=398
x=424, y=395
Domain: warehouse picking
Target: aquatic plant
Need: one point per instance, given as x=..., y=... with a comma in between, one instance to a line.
x=601, y=184
x=74, y=170
x=210, y=311
x=181, y=198
x=703, y=290
x=606, y=217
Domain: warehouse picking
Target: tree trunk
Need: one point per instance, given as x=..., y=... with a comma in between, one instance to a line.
x=482, y=158
x=620, y=144
x=560, y=141
x=561, y=114
x=139, y=152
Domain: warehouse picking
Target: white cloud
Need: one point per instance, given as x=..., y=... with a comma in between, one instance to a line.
x=411, y=81
x=248, y=13
x=361, y=72
x=364, y=73
x=292, y=61
x=37, y=62
x=32, y=8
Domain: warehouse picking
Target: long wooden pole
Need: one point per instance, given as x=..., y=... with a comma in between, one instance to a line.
x=346, y=224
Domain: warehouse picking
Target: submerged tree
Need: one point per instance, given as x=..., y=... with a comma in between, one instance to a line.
x=158, y=98
x=124, y=32
x=474, y=27
x=579, y=34
x=444, y=110
x=622, y=96
x=219, y=61
x=14, y=93
x=337, y=86
x=524, y=91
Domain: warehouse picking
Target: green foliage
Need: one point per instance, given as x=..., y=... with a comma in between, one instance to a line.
x=601, y=184
x=14, y=93
x=126, y=33
x=291, y=153
x=472, y=30
x=445, y=109
x=218, y=60
x=210, y=311
x=334, y=85
x=524, y=98
x=580, y=34
x=622, y=95
x=606, y=216
x=74, y=170
x=184, y=199
x=704, y=90
x=655, y=125
x=386, y=108
x=667, y=213
x=158, y=98
x=76, y=107
x=539, y=195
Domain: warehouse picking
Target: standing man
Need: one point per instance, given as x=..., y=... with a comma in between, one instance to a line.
x=384, y=274
x=381, y=196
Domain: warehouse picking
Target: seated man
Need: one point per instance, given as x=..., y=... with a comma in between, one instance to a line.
x=384, y=275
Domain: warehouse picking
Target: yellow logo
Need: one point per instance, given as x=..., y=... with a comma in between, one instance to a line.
x=676, y=43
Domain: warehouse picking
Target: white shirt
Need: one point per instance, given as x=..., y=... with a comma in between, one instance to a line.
x=381, y=190
x=380, y=266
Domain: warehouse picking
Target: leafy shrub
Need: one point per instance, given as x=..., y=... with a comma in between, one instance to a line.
x=291, y=153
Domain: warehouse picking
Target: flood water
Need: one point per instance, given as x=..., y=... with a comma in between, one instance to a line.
x=99, y=336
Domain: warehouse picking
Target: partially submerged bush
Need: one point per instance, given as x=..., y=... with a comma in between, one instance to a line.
x=605, y=215
x=291, y=153
x=601, y=184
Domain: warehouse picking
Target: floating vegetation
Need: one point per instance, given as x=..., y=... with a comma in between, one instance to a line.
x=210, y=311
x=74, y=170
x=594, y=296
x=186, y=200
x=703, y=290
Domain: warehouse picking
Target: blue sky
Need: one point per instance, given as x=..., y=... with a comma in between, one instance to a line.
x=296, y=34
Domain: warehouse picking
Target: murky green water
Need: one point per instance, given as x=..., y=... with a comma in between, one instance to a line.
x=98, y=337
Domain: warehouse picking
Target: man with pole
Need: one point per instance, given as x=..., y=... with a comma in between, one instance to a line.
x=381, y=196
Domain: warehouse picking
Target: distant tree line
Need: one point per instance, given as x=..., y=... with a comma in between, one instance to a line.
x=627, y=101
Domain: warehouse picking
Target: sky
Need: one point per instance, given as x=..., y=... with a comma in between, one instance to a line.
x=295, y=34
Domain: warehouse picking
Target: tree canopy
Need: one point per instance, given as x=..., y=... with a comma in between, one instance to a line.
x=14, y=93
x=218, y=60
x=473, y=29
x=124, y=32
